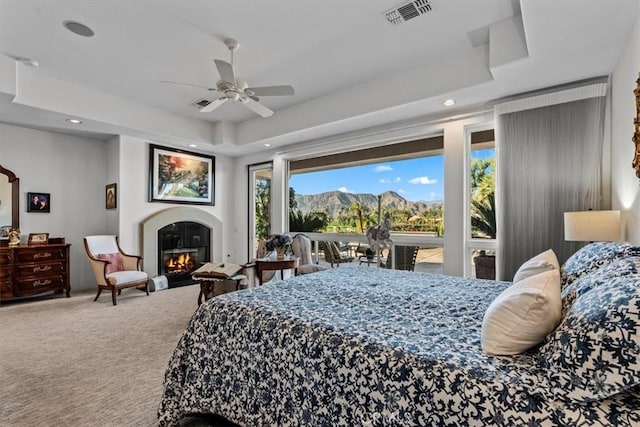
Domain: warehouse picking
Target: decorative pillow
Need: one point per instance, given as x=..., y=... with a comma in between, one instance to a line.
x=115, y=260
x=592, y=257
x=595, y=352
x=522, y=315
x=542, y=262
x=619, y=267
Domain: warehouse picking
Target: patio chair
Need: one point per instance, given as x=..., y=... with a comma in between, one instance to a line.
x=301, y=247
x=332, y=254
x=405, y=258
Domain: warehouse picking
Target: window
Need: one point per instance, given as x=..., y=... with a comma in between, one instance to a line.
x=259, y=205
x=482, y=208
x=349, y=192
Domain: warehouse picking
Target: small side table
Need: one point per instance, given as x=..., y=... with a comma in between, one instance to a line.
x=208, y=285
x=265, y=264
x=207, y=278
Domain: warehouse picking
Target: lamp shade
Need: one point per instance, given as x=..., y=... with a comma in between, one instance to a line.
x=592, y=226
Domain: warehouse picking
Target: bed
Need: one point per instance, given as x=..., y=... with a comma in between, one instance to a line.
x=364, y=346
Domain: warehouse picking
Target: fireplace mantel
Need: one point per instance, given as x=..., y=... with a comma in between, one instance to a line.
x=153, y=223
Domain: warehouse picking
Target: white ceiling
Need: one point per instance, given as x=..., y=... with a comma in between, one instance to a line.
x=350, y=68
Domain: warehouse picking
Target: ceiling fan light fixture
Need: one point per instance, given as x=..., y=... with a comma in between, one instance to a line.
x=234, y=96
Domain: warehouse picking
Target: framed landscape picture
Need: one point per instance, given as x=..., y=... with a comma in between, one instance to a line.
x=179, y=176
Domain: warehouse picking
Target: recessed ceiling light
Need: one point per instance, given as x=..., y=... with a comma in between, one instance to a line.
x=192, y=145
x=78, y=28
x=267, y=145
x=449, y=102
x=74, y=121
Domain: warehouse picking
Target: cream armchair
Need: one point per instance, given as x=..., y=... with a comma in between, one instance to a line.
x=301, y=247
x=113, y=269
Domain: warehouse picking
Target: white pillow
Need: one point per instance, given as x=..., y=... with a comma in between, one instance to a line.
x=544, y=261
x=522, y=315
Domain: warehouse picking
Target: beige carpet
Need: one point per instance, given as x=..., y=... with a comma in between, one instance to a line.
x=75, y=362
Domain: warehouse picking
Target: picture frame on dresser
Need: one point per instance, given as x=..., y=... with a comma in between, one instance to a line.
x=39, y=202
x=38, y=239
x=180, y=176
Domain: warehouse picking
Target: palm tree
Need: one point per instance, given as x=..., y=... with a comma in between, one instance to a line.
x=358, y=210
x=483, y=206
x=483, y=215
x=313, y=221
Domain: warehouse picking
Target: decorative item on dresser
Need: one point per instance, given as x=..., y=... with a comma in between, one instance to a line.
x=28, y=270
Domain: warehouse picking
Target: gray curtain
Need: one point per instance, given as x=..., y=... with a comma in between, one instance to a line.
x=549, y=162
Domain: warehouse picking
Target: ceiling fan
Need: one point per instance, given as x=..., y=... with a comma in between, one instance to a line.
x=232, y=88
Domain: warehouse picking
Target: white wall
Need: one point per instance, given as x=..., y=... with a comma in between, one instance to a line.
x=625, y=185
x=74, y=171
x=133, y=207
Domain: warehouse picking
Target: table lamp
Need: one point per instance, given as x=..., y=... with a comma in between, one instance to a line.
x=592, y=226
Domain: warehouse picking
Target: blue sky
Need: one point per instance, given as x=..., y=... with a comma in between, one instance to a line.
x=414, y=179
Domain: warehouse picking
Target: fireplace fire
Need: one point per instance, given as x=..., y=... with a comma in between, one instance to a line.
x=179, y=263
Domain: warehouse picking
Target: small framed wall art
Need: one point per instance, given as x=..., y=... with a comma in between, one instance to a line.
x=39, y=202
x=111, y=196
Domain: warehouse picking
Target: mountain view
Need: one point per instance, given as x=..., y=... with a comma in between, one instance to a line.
x=335, y=202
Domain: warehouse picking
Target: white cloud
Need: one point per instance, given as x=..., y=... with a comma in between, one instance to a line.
x=398, y=179
x=384, y=181
x=344, y=190
x=423, y=180
x=383, y=168
x=401, y=191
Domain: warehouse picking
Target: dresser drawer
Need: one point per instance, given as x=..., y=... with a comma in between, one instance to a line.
x=40, y=254
x=37, y=285
x=5, y=257
x=5, y=273
x=25, y=271
x=5, y=289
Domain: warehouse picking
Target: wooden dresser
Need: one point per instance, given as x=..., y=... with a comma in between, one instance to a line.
x=28, y=270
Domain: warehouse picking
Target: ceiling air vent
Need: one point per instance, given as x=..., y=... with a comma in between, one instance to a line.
x=201, y=103
x=408, y=11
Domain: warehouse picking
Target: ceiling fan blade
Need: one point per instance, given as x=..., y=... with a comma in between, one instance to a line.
x=225, y=70
x=214, y=104
x=272, y=90
x=258, y=108
x=187, y=84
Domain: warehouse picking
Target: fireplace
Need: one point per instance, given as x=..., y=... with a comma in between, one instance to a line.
x=182, y=247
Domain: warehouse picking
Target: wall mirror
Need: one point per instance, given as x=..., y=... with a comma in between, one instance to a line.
x=636, y=128
x=9, y=200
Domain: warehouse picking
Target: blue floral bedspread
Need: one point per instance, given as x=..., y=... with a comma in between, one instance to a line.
x=362, y=346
